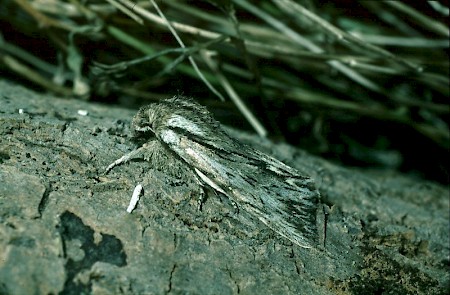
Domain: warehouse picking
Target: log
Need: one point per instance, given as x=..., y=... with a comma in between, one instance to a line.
x=64, y=228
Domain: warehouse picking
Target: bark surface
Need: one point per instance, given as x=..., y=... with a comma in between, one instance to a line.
x=64, y=228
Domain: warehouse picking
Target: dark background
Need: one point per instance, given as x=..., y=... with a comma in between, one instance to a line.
x=401, y=126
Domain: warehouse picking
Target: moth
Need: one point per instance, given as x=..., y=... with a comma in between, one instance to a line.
x=182, y=131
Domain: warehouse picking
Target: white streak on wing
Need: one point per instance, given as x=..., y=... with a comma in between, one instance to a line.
x=204, y=162
x=191, y=152
x=185, y=124
x=170, y=137
x=275, y=169
x=209, y=182
x=275, y=165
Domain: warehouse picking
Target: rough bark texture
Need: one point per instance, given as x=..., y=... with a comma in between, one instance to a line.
x=64, y=228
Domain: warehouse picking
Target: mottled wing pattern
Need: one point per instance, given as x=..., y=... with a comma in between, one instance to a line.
x=275, y=193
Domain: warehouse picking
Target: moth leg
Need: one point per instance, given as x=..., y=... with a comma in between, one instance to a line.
x=125, y=158
x=162, y=160
x=234, y=204
x=216, y=188
x=201, y=200
x=202, y=195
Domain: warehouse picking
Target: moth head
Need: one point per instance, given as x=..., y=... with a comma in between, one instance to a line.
x=144, y=121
